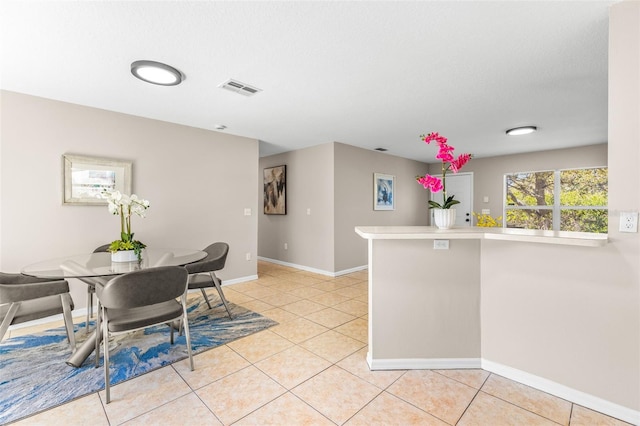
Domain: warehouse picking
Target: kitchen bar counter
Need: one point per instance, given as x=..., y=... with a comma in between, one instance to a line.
x=476, y=233
x=425, y=290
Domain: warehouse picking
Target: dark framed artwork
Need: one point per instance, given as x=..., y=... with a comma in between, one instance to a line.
x=275, y=190
x=383, y=192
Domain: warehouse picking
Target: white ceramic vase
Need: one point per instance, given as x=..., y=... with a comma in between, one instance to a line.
x=124, y=256
x=444, y=218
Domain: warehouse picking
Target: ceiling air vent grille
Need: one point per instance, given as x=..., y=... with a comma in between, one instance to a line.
x=241, y=88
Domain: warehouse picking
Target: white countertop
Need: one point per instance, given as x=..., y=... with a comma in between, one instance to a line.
x=585, y=239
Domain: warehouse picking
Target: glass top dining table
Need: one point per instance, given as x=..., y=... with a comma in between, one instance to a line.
x=100, y=264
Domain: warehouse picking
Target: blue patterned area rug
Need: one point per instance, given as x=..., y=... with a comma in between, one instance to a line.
x=34, y=375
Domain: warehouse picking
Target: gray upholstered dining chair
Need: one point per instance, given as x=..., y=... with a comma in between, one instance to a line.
x=24, y=298
x=202, y=273
x=141, y=299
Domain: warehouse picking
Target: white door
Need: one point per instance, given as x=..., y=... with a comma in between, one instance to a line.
x=460, y=185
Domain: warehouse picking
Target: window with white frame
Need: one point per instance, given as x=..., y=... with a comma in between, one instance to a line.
x=560, y=200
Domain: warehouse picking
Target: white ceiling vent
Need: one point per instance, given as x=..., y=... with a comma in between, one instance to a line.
x=238, y=87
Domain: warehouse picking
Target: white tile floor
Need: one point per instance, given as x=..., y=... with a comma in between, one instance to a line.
x=311, y=370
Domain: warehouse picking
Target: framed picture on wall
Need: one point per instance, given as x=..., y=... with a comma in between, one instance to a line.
x=384, y=192
x=275, y=190
x=85, y=178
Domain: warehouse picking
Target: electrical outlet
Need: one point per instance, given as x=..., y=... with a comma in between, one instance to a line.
x=286, y=246
x=441, y=244
x=628, y=221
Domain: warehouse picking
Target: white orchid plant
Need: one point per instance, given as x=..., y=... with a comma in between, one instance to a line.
x=124, y=205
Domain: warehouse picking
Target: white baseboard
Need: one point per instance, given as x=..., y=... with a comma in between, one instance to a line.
x=239, y=280
x=314, y=270
x=422, y=363
x=76, y=313
x=561, y=391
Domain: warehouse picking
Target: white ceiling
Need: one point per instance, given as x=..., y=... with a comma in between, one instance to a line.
x=369, y=74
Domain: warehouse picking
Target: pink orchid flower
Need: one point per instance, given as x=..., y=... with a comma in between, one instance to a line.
x=430, y=182
x=445, y=152
x=458, y=163
x=434, y=136
x=449, y=162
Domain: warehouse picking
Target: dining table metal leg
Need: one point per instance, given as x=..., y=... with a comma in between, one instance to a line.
x=84, y=350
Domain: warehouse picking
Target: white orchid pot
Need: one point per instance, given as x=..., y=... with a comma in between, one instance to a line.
x=444, y=218
x=124, y=256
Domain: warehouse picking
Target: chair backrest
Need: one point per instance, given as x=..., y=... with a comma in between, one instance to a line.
x=215, y=260
x=10, y=278
x=102, y=248
x=18, y=287
x=145, y=287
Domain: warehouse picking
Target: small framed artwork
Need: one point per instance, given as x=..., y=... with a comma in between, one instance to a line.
x=85, y=178
x=275, y=190
x=383, y=192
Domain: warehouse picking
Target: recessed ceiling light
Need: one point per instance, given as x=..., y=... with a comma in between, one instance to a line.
x=156, y=73
x=524, y=130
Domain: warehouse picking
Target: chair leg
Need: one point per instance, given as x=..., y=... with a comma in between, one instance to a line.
x=98, y=328
x=105, y=334
x=185, y=321
x=206, y=299
x=89, y=309
x=8, y=319
x=68, y=319
x=216, y=282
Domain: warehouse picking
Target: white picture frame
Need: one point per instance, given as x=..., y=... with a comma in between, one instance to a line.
x=384, y=197
x=85, y=178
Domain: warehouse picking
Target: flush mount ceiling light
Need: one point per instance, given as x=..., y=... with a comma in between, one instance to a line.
x=524, y=130
x=381, y=149
x=156, y=73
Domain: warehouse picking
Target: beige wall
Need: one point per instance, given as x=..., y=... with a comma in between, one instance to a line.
x=565, y=314
x=198, y=183
x=354, y=170
x=572, y=315
x=310, y=237
x=335, y=181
